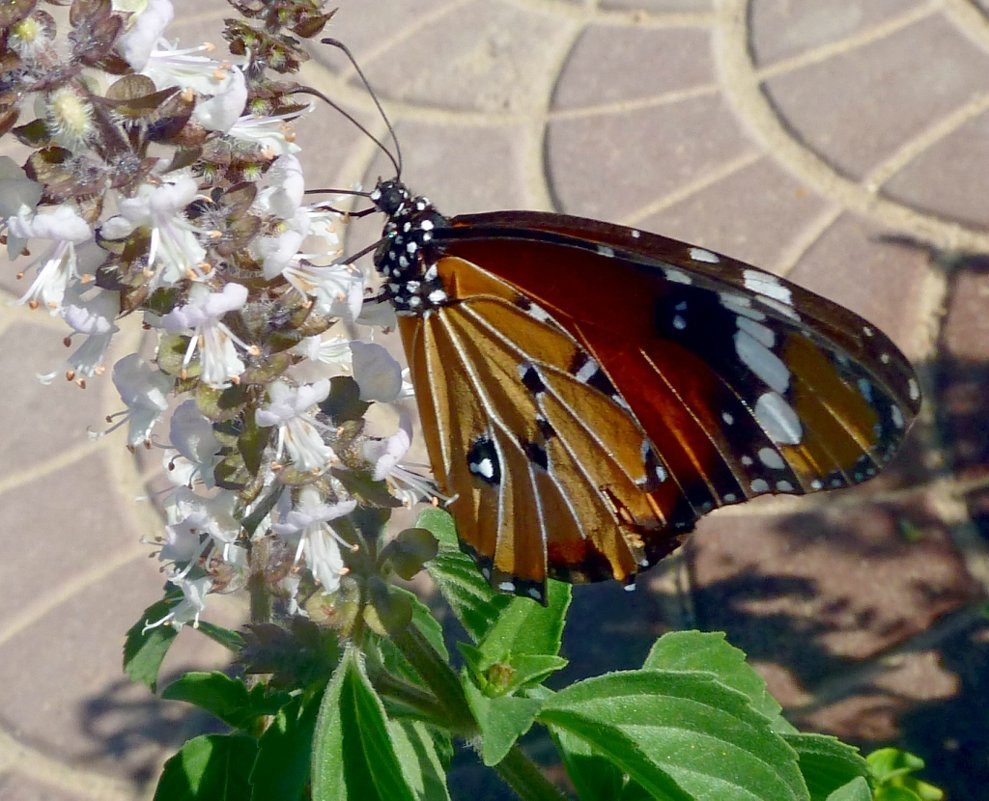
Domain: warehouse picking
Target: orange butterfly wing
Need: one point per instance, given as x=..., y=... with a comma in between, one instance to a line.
x=587, y=390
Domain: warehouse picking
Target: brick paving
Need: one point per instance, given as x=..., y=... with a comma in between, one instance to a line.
x=844, y=143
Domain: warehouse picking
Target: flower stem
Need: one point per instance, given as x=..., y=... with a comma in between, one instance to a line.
x=526, y=779
x=260, y=599
x=415, y=698
x=440, y=678
x=516, y=769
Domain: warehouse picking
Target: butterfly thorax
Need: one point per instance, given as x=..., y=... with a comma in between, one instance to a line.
x=407, y=255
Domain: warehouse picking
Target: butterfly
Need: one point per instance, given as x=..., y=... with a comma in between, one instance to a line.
x=587, y=391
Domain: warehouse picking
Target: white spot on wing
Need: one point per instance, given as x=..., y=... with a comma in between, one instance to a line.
x=604, y=250
x=759, y=485
x=699, y=254
x=677, y=276
x=771, y=458
x=778, y=419
x=507, y=586
x=538, y=313
x=679, y=323
x=897, y=415
x=740, y=305
x=784, y=486
x=914, y=389
x=763, y=334
x=728, y=417
x=483, y=468
x=587, y=371
x=762, y=361
x=767, y=285
x=784, y=309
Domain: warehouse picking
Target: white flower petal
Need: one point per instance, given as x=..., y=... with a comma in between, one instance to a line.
x=377, y=373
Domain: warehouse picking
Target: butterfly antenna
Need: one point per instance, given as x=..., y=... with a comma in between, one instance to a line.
x=396, y=163
x=397, y=160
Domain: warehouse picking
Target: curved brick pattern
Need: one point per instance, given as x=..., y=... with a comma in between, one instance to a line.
x=788, y=28
x=921, y=72
x=842, y=142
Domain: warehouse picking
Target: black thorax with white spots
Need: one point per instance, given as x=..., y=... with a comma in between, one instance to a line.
x=407, y=255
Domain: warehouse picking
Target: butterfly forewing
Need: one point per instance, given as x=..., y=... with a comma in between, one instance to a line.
x=588, y=390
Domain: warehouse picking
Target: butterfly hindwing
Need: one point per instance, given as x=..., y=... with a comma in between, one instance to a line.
x=541, y=465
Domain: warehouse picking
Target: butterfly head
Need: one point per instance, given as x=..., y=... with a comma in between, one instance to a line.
x=389, y=196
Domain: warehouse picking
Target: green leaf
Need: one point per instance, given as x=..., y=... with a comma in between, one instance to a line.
x=680, y=735
x=422, y=618
x=531, y=669
x=261, y=509
x=424, y=760
x=144, y=651
x=887, y=764
x=281, y=770
x=479, y=608
x=696, y=650
x=409, y=551
x=896, y=794
x=217, y=693
x=502, y=720
x=353, y=754
x=171, y=356
x=475, y=604
x=389, y=609
x=441, y=524
x=524, y=627
x=212, y=767
x=855, y=790
x=826, y=763
x=33, y=134
x=225, y=697
x=593, y=776
x=892, y=769
x=504, y=678
x=300, y=654
x=344, y=401
x=365, y=489
x=229, y=639
x=634, y=792
x=252, y=442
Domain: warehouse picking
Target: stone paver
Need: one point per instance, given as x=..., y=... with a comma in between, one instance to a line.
x=844, y=143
